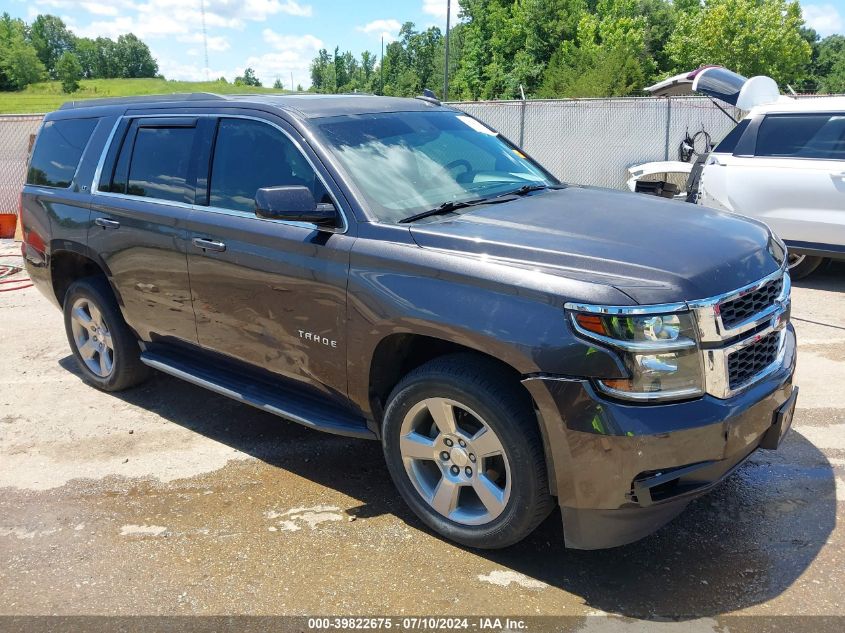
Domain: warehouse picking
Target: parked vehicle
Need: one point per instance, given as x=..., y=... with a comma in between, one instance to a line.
x=393, y=269
x=784, y=163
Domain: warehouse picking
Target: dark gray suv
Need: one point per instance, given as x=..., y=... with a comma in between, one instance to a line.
x=393, y=269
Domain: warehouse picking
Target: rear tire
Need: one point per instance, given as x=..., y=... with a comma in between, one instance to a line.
x=104, y=347
x=804, y=265
x=463, y=447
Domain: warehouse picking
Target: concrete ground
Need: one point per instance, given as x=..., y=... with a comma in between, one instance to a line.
x=168, y=499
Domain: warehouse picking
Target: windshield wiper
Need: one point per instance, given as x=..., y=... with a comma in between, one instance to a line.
x=451, y=205
x=526, y=189
x=447, y=207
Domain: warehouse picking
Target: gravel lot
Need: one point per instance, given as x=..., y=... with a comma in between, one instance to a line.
x=168, y=499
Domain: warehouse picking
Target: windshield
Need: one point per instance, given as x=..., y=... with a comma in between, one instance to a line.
x=405, y=163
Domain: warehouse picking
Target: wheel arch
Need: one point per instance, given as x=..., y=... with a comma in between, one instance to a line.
x=70, y=261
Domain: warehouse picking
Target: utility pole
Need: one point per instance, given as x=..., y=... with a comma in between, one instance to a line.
x=446, y=60
x=204, y=37
x=381, y=68
x=292, y=89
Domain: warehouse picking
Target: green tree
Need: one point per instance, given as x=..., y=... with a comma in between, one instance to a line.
x=829, y=66
x=609, y=56
x=322, y=72
x=247, y=79
x=661, y=16
x=107, y=64
x=51, y=39
x=277, y=85
x=752, y=37
x=409, y=61
x=86, y=53
x=19, y=63
x=69, y=71
x=134, y=58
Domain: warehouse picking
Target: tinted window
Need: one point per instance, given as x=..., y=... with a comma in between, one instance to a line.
x=58, y=151
x=728, y=144
x=802, y=136
x=249, y=155
x=160, y=161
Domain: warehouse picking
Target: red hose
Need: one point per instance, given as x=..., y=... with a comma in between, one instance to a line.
x=13, y=270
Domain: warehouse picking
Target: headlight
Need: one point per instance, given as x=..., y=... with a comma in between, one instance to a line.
x=659, y=351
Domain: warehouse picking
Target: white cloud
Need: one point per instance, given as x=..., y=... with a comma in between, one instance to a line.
x=291, y=54
x=824, y=18
x=292, y=42
x=95, y=8
x=254, y=10
x=216, y=43
x=388, y=29
x=191, y=72
x=99, y=8
x=437, y=9
x=160, y=18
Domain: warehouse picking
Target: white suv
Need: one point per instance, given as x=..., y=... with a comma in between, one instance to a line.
x=784, y=163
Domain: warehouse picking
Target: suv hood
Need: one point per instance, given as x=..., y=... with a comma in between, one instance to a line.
x=653, y=250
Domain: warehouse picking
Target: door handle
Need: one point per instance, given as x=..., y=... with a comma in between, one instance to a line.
x=107, y=223
x=837, y=174
x=208, y=245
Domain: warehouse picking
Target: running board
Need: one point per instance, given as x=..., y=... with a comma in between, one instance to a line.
x=272, y=398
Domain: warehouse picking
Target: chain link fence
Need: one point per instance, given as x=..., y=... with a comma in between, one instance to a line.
x=594, y=141
x=586, y=141
x=17, y=133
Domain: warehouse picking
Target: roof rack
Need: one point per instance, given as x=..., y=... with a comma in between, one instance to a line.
x=169, y=98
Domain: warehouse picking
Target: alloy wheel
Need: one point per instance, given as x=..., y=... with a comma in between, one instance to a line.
x=92, y=337
x=455, y=461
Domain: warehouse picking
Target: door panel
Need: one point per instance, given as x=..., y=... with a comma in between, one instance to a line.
x=146, y=257
x=800, y=199
x=275, y=297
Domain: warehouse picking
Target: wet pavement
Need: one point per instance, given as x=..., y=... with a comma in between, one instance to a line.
x=168, y=499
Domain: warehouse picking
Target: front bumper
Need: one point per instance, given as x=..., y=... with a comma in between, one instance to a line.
x=620, y=471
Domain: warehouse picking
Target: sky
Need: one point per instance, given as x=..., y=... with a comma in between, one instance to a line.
x=277, y=38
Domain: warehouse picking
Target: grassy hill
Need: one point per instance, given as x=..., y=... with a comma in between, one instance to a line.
x=48, y=95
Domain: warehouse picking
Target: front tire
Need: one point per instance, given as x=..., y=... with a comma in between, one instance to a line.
x=463, y=447
x=801, y=266
x=104, y=347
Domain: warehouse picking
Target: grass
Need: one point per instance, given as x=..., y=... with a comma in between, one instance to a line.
x=46, y=96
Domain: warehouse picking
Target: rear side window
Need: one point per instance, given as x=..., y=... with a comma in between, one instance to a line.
x=728, y=144
x=249, y=155
x=820, y=136
x=154, y=163
x=58, y=152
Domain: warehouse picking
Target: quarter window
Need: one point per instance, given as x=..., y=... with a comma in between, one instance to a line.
x=820, y=136
x=58, y=152
x=250, y=155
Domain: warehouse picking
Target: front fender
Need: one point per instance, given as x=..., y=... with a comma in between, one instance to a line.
x=481, y=306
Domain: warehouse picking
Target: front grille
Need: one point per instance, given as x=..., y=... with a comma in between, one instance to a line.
x=736, y=311
x=749, y=361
